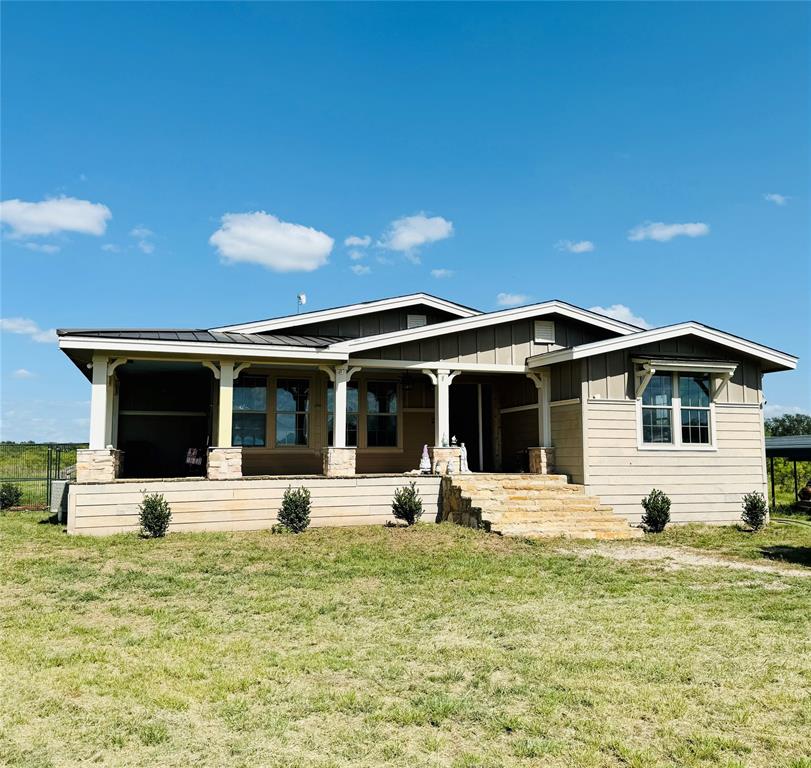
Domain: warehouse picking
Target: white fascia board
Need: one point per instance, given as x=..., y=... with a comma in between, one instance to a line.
x=699, y=366
x=416, y=365
x=241, y=351
x=350, y=310
x=482, y=321
x=781, y=359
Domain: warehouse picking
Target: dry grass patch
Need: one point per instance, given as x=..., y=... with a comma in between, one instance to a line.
x=432, y=646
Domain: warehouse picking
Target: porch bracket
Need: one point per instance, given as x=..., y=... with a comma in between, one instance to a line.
x=722, y=381
x=241, y=367
x=115, y=364
x=213, y=367
x=645, y=375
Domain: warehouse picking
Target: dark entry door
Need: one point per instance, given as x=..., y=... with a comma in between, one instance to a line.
x=471, y=422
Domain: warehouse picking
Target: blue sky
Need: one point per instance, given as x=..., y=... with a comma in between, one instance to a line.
x=521, y=150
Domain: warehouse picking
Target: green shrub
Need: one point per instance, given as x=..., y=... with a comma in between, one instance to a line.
x=154, y=514
x=294, y=513
x=407, y=504
x=657, y=511
x=755, y=510
x=10, y=495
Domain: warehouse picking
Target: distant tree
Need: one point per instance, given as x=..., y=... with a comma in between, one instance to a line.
x=788, y=424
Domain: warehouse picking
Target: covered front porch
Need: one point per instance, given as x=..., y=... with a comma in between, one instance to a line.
x=227, y=418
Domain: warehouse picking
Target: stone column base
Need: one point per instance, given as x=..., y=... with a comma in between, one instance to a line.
x=446, y=461
x=541, y=461
x=224, y=463
x=98, y=466
x=338, y=462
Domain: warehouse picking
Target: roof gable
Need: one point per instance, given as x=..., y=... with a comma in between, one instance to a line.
x=481, y=320
x=352, y=310
x=778, y=360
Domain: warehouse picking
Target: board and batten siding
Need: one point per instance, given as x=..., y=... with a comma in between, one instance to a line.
x=246, y=504
x=704, y=486
x=508, y=343
x=374, y=323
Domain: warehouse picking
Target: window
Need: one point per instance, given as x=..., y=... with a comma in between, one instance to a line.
x=657, y=409
x=676, y=410
x=416, y=321
x=352, y=408
x=292, y=411
x=250, y=411
x=544, y=331
x=381, y=414
x=694, y=392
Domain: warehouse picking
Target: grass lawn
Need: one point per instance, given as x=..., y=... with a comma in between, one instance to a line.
x=434, y=646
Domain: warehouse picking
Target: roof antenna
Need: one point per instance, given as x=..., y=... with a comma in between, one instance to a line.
x=301, y=300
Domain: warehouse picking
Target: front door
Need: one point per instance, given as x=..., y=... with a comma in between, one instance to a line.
x=471, y=422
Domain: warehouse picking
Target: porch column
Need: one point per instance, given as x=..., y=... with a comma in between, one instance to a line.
x=339, y=459
x=542, y=457
x=99, y=393
x=224, y=460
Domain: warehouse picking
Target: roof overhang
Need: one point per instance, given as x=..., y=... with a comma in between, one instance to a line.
x=776, y=360
x=679, y=364
x=484, y=320
x=213, y=351
x=351, y=310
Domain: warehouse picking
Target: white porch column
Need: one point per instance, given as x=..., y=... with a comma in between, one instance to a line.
x=543, y=381
x=99, y=393
x=225, y=415
x=442, y=383
x=340, y=376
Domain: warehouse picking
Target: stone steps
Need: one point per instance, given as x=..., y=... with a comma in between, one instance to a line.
x=531, y=505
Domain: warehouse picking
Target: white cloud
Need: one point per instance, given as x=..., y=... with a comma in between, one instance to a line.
x=44, y=420
x=142, y=235
x=146, y=247
x=141, y=232
x=623, y=314
x=26, y=327
x=771, y=411
x=356, y=255
x=439, y=274
x=773, y=197
x=511, y=299
x=662, y=232
x=409, y=233
x=360, y=269
x=58, y=214
x=110, y=248
x=360, y=242
x=384, y=260
x=23, y=373
x=581, y=246
x=42, y=247
x=261, y=238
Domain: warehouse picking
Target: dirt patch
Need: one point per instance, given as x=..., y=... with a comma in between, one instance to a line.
x=676, y=557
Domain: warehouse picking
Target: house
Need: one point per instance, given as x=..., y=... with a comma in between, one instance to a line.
x=549, y=399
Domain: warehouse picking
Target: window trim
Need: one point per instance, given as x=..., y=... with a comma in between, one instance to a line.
x=235, y=412
x=675, y=415
x=363, y=436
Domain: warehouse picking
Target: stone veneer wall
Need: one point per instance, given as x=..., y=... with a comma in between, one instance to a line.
x=338, y=462
x=542, y=461
x=224, y=463
x=97, y=466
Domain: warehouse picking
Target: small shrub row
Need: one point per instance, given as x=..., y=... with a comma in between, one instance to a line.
x=10, y=495
x=657, y=511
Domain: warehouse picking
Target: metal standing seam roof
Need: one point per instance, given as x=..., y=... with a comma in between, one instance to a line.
x=203, y=336
x=790, y=447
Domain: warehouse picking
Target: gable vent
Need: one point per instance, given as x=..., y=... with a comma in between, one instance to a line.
x=416, y=321
x=544, y=331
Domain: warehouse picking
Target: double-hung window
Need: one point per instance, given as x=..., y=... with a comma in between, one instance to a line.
x=381, y=414
x=677, y=410
x=657, y=409
x=292, y=412
x=250, y=411
x=694, y=394
x=352, y=412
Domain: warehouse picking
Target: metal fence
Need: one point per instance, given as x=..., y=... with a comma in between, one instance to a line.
x=32, y=466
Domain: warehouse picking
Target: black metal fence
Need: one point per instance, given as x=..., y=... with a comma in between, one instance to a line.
x=32, y=466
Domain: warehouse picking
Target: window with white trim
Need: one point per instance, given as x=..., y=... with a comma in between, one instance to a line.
x=676, y=409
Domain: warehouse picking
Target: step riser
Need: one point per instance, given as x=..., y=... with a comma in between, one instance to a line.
x=535, y=506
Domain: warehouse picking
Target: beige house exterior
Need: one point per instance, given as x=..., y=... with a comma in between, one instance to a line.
x=345, y=399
